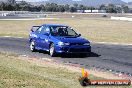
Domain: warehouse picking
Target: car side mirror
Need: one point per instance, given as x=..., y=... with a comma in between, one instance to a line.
x=79, y=35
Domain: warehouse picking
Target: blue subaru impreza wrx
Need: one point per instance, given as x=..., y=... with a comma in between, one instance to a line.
x=57, y=39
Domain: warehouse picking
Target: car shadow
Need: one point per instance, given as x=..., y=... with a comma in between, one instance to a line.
x=91, y=54
x=41, y=51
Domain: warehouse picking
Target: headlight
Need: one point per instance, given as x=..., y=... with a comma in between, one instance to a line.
x=87, y=44
x=62, y=44
x=67, y=44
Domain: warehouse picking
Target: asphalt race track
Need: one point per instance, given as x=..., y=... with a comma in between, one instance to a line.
x=117, y=58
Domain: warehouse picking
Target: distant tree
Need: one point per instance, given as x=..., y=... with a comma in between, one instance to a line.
x=2, y=6
x=61, y=8
x=9, y=7
x=42, y=8
x=34, y=8
x=88, y=8
x=11, y=1
x=111, y=8
x=75, y=5
x=48, y=7
x=24, y=6
x=82, y=7
x=125, y=9
x=23, y=3
x=53, y=7
x=119, y=9
x=17, y=7
x=92, y=8
x=67, y=7
x=102, y=7
x=73, y=9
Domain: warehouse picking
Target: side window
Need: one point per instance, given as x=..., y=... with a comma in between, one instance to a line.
x=39, y=29
x=71, y=32
x=45, y=30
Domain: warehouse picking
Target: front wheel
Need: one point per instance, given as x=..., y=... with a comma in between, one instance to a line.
x=32, y=46
x=52, y=50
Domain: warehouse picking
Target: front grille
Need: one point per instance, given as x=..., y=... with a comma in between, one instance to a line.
x=76, y=43
x=66, y=49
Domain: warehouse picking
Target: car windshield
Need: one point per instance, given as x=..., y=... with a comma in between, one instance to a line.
x=62, y=31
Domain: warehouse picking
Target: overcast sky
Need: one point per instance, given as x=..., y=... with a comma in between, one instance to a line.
x=127, y=0
x=45, y=0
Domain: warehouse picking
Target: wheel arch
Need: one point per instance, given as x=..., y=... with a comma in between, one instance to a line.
x=30, y=39
x=50, y=44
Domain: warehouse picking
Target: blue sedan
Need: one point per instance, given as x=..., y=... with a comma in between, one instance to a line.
x=57, y=39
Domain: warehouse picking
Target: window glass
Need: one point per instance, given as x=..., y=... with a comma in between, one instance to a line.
x=62, y=31
x=39, y=30
x=47, y=29
x=70, y=32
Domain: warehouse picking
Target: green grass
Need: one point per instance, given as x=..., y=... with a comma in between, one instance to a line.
x=96, y=30
x=16, y=73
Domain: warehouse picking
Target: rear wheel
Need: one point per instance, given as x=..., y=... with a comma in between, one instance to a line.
x=32, y=46
x=52, y=50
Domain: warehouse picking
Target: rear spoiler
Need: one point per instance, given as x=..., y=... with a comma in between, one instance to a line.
x=34, y=28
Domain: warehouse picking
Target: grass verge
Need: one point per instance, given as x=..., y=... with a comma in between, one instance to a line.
x=17, y=73
x=96, y=30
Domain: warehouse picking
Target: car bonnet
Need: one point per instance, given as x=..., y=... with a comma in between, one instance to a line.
x=72, y=39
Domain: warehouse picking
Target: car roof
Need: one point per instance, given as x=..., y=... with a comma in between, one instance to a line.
x=54, y=25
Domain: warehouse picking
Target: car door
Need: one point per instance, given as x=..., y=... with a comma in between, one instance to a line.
x=44, y=38
x=37, y=39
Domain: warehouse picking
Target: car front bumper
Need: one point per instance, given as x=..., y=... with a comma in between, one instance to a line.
x=73, y=49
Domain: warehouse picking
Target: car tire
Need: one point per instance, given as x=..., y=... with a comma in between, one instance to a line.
x=32, y=46
x=52, y=50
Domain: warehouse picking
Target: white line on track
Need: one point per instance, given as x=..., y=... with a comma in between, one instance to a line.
x=12, y=37
x=112, y=43
x=32, y=19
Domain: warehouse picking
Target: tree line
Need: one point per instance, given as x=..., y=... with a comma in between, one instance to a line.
x=53, y=7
